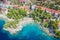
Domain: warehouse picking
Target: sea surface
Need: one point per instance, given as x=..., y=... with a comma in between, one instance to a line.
x=31, y=31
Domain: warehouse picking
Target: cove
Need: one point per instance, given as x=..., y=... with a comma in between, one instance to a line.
x=31, y=31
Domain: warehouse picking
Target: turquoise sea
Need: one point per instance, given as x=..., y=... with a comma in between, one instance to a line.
x=30, y=31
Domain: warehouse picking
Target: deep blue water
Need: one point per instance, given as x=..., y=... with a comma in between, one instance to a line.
x=30, y=32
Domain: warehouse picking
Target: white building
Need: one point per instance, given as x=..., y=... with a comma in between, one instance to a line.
x=4, y=10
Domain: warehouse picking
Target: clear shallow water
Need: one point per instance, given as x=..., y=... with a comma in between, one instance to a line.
x=2, y=22
x=29, y=32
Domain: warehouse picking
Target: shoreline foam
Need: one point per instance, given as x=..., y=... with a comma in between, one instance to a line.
x=20, y=25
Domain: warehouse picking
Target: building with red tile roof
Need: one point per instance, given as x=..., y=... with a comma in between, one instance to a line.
x=21, y=0
x=59, y=24
x=21, y=7
x=43, y=8
x=37, y=7
x=7, y=2
x=4, y=10
x=48, y=10
x=15, y=6
x=53, y=11
x=27, y=8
